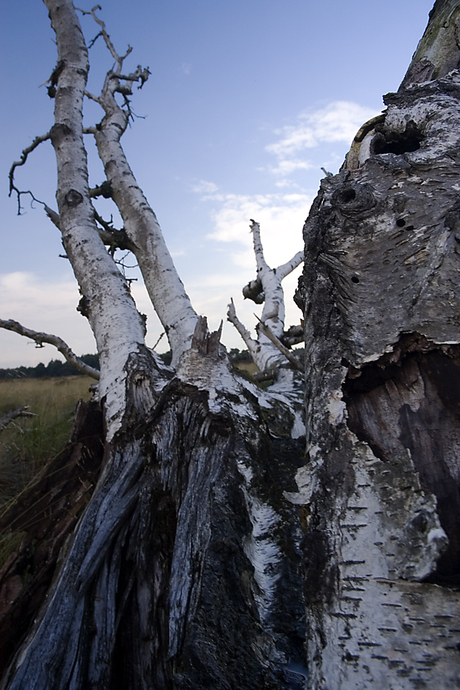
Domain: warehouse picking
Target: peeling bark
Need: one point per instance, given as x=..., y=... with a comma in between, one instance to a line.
x=382, y=316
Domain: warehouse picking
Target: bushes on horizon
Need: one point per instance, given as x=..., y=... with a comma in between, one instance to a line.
x=53, y=369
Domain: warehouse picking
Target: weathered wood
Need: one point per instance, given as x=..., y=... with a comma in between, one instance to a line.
x=382, y=316
x=213, y=552
x=184, y=569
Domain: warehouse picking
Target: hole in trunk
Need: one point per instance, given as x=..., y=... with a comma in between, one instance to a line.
x=414, y=403
x=347, y=196
x=388, y=141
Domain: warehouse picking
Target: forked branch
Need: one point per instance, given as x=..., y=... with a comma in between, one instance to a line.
x=114, y=76
x=118, y=59
x=24, y=155
x=269, y=350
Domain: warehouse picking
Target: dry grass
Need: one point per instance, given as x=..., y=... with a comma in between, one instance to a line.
x=28, y=443
x=248, y=367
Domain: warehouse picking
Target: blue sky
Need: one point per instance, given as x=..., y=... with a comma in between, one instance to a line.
x=246, y=101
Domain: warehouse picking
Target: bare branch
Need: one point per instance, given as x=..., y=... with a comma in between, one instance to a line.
x=112, y=237
x=287, y=268
x=141, y=74
x=104, y=189
x=296, y=363
x=268, y=351
x=258, y=249
x=92, y=97
x=36, y=142
x=158, y=341
x=251, y=344
x=60, y=344
x=118, y=59
x=8, y=417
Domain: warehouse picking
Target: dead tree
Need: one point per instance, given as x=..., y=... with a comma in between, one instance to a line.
x=204, y=548
x=176, y=565
x=380, y=292
x=270, y=351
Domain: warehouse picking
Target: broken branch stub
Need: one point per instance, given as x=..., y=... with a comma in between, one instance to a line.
x=269, y=351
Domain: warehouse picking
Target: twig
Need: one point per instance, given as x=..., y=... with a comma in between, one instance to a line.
x=157, y=342
x=36, y=142
x=271, y=336
x=118, y=59
x=60, y=344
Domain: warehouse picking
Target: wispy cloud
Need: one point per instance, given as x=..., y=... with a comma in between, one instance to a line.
x=205, y=189
x=43, y=306
x=337, y=122
x=186, y=67
x=280, y=213
x=281, y=217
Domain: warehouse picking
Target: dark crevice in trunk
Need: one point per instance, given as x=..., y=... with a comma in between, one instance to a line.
x=389, y=141
x=410, y=399
x=142, y=607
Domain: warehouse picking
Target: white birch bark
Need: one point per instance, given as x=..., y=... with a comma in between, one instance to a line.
x=180, y=494
x=267, y=352
x=163, y=284
x=111, y=311
x=141, y=226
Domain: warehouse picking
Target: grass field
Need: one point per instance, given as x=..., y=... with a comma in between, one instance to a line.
x=28, y=443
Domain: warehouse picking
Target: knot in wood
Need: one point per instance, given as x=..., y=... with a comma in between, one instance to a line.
x=254, y=291
x=58, y=131
x=83, y=306
x=353, y=199
x=73, y=198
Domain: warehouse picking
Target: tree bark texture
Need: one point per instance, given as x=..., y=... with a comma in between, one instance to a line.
x=381, y=298
x=189, y=541
x=184, y=571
